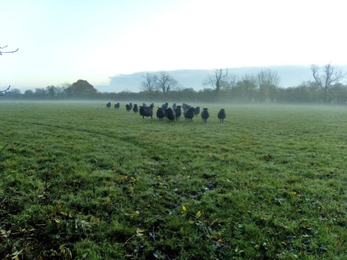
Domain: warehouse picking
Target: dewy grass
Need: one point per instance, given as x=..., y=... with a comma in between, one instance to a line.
x=80, y=181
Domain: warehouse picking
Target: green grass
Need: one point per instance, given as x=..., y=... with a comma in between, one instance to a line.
x=80, y=181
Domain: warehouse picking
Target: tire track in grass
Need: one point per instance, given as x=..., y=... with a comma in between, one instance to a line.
x=126, y=139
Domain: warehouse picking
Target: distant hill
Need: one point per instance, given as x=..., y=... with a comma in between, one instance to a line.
x=289, y=75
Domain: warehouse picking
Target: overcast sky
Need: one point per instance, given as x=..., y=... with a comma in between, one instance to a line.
x=62, y=41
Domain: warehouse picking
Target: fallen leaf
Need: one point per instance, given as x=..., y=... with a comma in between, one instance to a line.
x=139, y=230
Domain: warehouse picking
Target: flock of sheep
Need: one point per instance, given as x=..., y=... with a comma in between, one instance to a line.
x=171, y=113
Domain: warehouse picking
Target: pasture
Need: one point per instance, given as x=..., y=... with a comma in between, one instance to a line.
x=82, y=181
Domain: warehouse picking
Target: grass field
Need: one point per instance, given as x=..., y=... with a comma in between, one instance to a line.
x=80, y=181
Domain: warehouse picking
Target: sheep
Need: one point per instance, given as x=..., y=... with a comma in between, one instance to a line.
x=160, y=113
x=221, y=115
x=170, y=114
x=108, y=105
x=146, y=112
x=135, y=109
x=205, y=114
x=197, y=111
x=178, y=112
x=189, y=114
x=117, y=105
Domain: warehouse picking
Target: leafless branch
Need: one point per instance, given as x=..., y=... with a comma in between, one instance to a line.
x=4, y=47
x=3, y=91
x=166, y=83
x=149, y=83
x=216, y=78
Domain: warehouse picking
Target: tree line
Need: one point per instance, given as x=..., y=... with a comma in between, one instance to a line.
x=220, y=86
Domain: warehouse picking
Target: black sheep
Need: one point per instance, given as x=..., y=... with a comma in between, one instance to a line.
x=185, y=109
x=108, y=105
x=128, y=107
x=178, y=112
x=135, y=109
x=189, y=114
x=170, y=114
x=205, y=114
x=152, y=106
x=197, y=111
x=146, y=112
x=174, y=107
x=116, y=105
x=165, y=106
x=160, y=113
x=221, y=115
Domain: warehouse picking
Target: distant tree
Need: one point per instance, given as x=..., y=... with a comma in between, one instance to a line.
x=51, y=91
x=82, y=89
x=268, y=82
x=66, y=90
x=330, y=76
x=28, y=94
x=14, y=93
x=245, y=89
x=230, y=82
x=40, y=93
x=166, y=83
x=217, y=79
x=338, y=93
x=149, y=82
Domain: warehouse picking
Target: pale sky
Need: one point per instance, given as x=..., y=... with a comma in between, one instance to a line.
x=62, y=41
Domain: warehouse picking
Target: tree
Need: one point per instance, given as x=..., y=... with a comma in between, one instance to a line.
x=82, y=89
x=330, y=75
x=40, y=93
x=217, y=79
x=149, y=82
x=165, y=82
x=245, y=89
x=29, y=93
x=338, y=93
x=51, y=91
x=268, y=82
x=14, y=93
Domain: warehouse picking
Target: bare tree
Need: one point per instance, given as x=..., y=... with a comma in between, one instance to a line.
x=268, y=82
x=149, y=82
x=217, y=79
x=166, y=83
x=230, y=82
x=1, y=52
x=4, y=47
x=330, y=75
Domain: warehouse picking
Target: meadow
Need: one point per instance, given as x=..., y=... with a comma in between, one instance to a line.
x=82, y=181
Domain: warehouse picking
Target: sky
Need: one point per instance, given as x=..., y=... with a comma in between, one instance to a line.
x=63, y=41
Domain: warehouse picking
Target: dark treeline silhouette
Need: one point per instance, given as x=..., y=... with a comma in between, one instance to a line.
x=261, y=88
x=243, y=92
